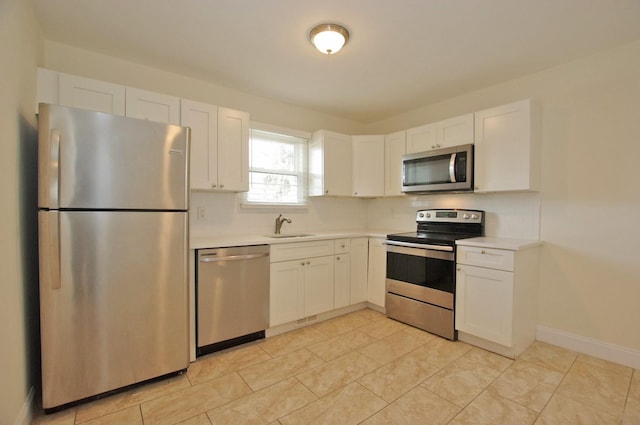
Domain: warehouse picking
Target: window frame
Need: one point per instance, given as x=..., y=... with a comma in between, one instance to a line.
x=303, y=189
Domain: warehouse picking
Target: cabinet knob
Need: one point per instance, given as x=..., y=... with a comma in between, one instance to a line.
x=308, y=262
x=302, y=263
x=221, y=186
x=433, y=146
x=214, y=185
x=326, y=192
x=338, y=258
x=482, y=251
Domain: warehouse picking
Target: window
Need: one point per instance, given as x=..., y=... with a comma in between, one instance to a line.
x=277, y=169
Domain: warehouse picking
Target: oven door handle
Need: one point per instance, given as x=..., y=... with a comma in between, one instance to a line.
x=420, y=246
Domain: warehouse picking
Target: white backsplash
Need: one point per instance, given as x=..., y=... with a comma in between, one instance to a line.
x=223, y=215
x=508, y=215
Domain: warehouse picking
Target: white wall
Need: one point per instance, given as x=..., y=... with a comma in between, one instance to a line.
x=590, y=197
x=19, y=44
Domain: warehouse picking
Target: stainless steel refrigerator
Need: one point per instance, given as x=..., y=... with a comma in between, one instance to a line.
x=113, y=200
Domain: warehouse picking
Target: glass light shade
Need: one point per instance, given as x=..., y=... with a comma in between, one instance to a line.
x=329, y=38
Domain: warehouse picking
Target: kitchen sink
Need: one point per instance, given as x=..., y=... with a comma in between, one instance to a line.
x=289, y=235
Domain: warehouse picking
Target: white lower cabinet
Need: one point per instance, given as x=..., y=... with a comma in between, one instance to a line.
x=496, y=297
x=301, y=286
x=286, y=300
x=377, y=271
x=358, y=271
x=318, y=285
x=485, y=303
x=310, y=278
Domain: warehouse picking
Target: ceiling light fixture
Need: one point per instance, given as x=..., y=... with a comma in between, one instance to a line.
x=329, y=38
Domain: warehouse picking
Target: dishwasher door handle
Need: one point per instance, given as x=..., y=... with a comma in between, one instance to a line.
x=232, y=257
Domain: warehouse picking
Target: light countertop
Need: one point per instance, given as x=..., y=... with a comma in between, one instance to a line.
x=499, y=243
x=201, y=242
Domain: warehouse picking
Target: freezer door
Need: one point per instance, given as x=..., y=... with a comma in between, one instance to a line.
x=113, y=300
x=92, y=160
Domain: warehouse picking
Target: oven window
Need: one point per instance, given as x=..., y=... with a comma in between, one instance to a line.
x=429, y=272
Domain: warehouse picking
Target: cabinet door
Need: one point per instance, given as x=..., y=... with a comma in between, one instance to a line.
x=342, y=281
x=377, y=271
x=484, y=303
x=318, y=285
x=359, y=263
x=368, y=166
x=286, y=300
x=394, y=149
x=152, y=106
x=203, y=120
x=455, y=131
x=233, y=150
x=423, y=138
x=506, y=148
x=330, y=164
x=85, y=93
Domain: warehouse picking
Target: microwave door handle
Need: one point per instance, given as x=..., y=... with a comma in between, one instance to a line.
x=452, y=167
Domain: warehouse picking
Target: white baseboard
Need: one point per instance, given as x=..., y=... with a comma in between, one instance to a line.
x=26, y=412
x=593, y=347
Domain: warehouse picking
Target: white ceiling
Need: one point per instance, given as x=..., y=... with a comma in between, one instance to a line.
x=402, y=54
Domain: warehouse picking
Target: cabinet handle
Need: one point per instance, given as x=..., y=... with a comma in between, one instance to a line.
x=482, y=251
x=221, y=186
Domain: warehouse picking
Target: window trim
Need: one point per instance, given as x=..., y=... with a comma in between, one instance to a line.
x=254, y=125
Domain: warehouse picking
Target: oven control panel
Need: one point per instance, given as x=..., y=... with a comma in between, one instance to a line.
x=449, y=216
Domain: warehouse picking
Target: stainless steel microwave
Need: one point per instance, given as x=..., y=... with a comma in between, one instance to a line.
x=439, y=170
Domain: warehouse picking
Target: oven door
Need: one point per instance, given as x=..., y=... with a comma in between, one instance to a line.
x=423, y=272
x=420, y=286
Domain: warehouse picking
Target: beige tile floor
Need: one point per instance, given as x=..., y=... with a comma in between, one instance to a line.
x=363, y=368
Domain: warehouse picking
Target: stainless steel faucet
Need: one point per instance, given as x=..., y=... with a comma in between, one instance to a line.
x=279, y=222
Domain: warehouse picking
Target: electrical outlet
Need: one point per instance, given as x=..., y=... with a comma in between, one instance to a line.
x=202, y=213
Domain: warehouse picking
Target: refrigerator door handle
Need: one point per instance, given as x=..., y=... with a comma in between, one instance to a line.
x=54, y=168
x=54, y=250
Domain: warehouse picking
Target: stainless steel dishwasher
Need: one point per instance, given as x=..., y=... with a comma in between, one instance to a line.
x=232, y=291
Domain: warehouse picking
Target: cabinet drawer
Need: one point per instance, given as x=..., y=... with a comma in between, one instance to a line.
x=499, y=259
x=342, y=246
x=292, y=251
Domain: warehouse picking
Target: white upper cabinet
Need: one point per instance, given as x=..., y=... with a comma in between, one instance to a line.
x=233, y=150
x=330, y=164
x=420, y=139
x=219, y=146
x=368, y=166
x=455, y=131
x=394, y=149
x=203, y=120
x=507, y=148
x=442, y=134
x=152, y=106
x=85, y=93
